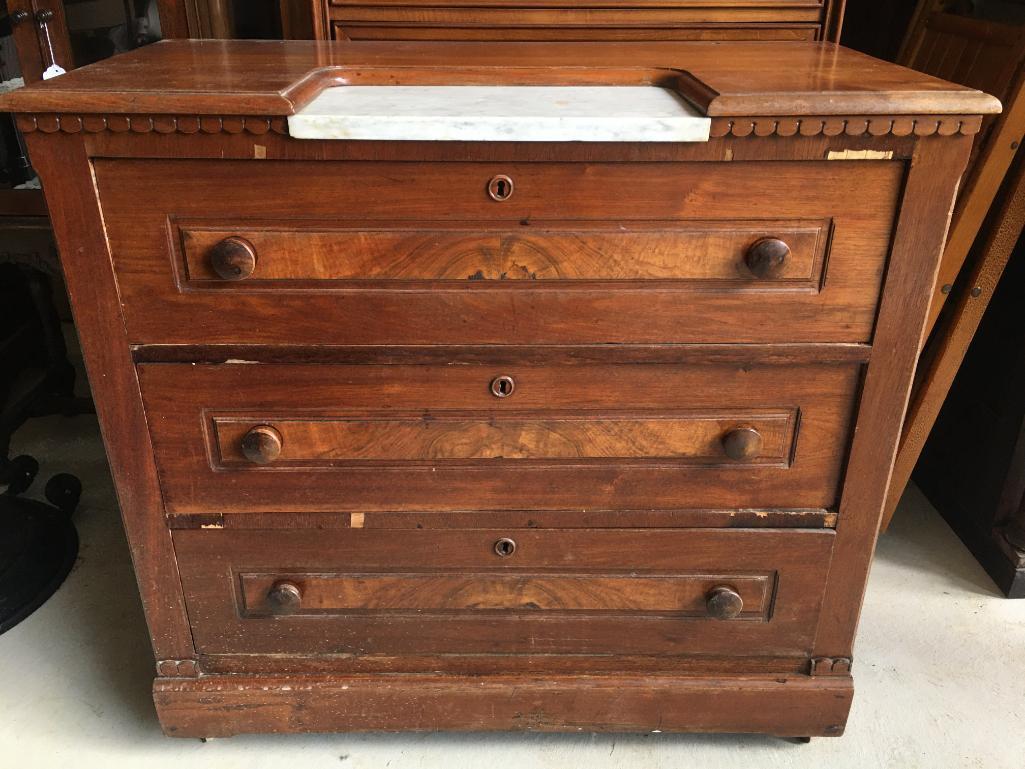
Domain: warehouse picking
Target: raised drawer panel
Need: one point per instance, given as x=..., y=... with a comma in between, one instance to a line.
x=706, y=251
x=346, y=593
x=419, y=253
x=333, y=438
x=441, y=438
x=450, y=592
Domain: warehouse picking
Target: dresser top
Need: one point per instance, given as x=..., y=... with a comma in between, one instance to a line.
x=279, y=78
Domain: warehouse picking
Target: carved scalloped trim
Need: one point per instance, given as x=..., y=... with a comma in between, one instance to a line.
x=923, y=125
x=140, y=124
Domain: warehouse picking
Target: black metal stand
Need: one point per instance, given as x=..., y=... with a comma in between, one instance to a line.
x=38, y=541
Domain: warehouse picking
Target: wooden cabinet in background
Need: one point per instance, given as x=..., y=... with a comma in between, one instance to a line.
x=562, y=20
x=973, y=465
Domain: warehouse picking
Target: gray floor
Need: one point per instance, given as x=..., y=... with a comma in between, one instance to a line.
x=940, y=670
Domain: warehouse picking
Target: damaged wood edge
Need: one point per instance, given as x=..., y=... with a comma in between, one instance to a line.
x=226, y=705
x=489, y=519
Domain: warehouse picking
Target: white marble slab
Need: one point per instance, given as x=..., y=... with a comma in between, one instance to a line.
x=500, y=113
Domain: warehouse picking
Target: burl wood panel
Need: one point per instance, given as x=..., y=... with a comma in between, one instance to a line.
x=583, y=619
x=185, y=402
x=635, y=250
x=441, y=437
x=470, y=591
x=162, y=306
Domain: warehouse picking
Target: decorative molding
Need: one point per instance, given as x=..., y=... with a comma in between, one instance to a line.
x=923, y=125
x=928, y=125
x=830, y=666
x=141, y=124
x=178, y=668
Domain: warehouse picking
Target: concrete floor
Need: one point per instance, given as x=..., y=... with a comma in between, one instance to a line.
x=939, y=666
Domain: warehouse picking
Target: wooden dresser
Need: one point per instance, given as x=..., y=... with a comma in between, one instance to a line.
x=569, y=21
x=500, y=434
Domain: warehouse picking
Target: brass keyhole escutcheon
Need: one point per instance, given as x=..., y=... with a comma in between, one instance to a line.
x=500, y=188
x=502, y=386
x=505, y=547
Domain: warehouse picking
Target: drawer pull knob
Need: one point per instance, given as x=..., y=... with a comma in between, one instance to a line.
x=505, y=547
x=742, y=443
x=768, y=257
x=502, y=386
x=724, y=602
x=233, y=258
x=284, y=597
x=500, y=188
x=262, y=444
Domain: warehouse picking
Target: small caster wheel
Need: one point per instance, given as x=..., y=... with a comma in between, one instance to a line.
x=798, y=740
x=18, y=475
x=63, y=492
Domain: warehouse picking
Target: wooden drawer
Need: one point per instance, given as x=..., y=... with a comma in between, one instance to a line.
x=418, y=253
x=450, y=592
x=263, y=437
x=548, y=20
x=578, y=27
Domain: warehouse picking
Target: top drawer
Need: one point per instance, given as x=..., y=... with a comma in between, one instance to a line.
x=339, y=252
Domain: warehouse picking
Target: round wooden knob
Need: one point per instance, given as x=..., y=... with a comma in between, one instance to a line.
x=284, y=597
x=768, y=257
x=742, y=443
x=233, y=258
x=262, y=444
x=724, y=602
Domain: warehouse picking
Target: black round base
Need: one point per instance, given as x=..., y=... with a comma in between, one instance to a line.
x=38, y=547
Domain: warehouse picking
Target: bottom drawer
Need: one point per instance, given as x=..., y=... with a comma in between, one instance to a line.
x=366, y=592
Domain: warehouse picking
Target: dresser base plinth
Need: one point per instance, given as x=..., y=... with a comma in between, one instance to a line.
x=222, y=706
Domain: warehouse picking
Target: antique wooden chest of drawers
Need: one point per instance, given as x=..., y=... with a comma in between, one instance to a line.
x=512, y=434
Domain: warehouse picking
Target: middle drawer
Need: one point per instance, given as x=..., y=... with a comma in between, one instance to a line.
x=273, y=437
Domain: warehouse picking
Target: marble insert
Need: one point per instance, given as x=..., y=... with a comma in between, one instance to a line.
x=500, y=113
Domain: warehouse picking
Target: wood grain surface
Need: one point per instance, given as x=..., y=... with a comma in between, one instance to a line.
x=733, y=79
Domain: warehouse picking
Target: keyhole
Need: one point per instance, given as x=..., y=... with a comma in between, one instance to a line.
x=500, y=187
x=505, y=547
x=503, y=386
